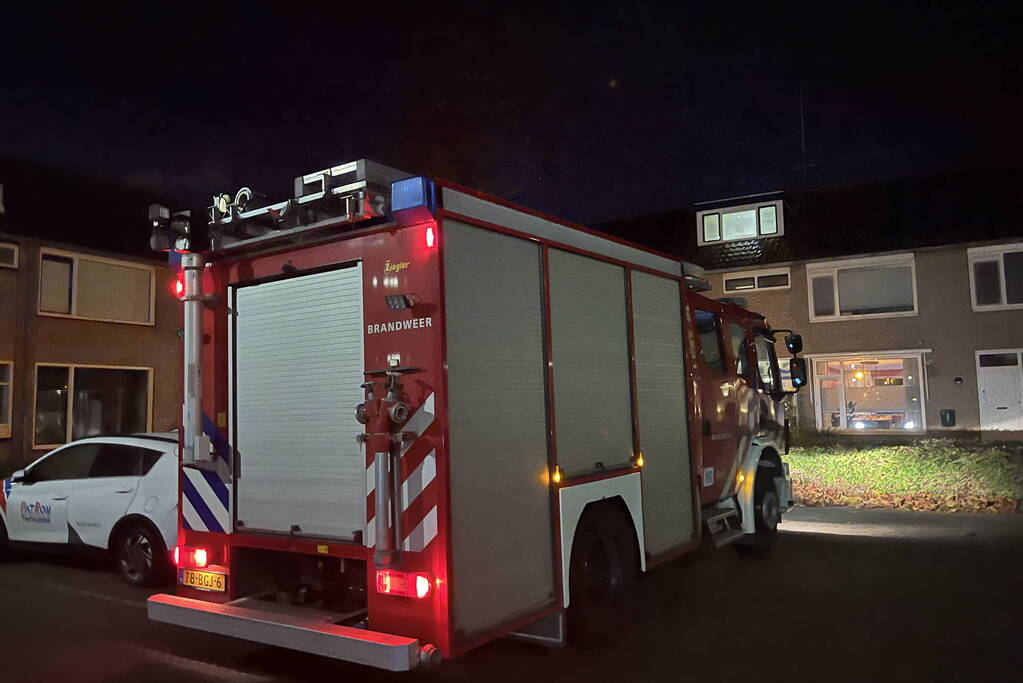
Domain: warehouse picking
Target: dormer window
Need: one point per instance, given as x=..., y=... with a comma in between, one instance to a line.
x=746, y=222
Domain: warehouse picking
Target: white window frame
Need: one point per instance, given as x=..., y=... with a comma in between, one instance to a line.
x=992, y=253
x=755, y=274
x=75, y=258
x=832, y=267
x=17, y=251
x=71, y=392
x=5, y=420
x=918, y=354
x=755, y=207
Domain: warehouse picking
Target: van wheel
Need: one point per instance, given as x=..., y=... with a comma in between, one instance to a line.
x=139, y=554
x=767, y=514
x=603, y=576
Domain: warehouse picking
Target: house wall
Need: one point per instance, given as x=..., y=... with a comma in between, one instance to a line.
x=29, y=338
x=945, y=323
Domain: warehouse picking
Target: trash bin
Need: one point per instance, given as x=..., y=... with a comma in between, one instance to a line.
x=948, y=417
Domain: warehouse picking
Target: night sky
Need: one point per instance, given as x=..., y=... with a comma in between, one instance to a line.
x=591, y=112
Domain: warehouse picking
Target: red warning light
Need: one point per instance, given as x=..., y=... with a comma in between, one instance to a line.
x=431, y=237
x=179, y=285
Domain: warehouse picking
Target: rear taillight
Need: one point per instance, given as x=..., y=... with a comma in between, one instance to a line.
x=191, y=557
x=404, y=584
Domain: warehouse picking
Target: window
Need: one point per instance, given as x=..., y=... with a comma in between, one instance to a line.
x=8, y=255
x=711, y=227
x=73, y=462
x=775, y=278
x=766, y=363
x=73, y=402
x=996, y=277
x=749, y=221
x=6, y=397
x=740, y=350
x=708, y=326
x=95, y=288
x=864, y=394
x=876, y=287
x=117, y=460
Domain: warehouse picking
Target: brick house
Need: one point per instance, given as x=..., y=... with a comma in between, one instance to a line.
x=908, y=294
x=88, y=336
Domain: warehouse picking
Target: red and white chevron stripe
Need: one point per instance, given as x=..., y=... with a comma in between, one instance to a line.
x=418, y=495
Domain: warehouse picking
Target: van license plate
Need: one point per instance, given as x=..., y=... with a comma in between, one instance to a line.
x=204, y=581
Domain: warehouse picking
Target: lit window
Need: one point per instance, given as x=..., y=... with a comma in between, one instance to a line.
x=864, y=394
x=768, y=220
x=878, y=287
x=711, y=227
x=996, y=277
x=746, y=222
x=6, y=397
x=737, y=225
x=74, y=402
x=775, y=278
x=92, y=288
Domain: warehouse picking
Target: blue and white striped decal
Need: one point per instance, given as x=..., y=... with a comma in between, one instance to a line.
x=206, y=494
x=205, y=501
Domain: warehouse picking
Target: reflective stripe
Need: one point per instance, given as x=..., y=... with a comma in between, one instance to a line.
x=418, y=480
x=199, y=504
x=206, y=485
x=422, y=534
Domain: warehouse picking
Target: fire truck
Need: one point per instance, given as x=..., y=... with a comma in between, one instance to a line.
x=417, y=418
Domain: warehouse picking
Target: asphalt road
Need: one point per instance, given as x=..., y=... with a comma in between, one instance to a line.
x=846, y=595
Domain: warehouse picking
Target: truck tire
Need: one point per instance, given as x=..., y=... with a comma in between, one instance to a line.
x=603, y=576
x=767, y=514
x=139, y=555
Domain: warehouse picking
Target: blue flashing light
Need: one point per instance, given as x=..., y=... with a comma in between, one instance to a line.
x=413, y=193
x=174, y=258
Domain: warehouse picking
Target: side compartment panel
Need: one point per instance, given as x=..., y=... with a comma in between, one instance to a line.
x=501, y=529
x=590, y=347
x=661, y=399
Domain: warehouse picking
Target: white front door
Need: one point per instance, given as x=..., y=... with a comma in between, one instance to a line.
x=37, y=507
x=1000, y=386
x=102, y=499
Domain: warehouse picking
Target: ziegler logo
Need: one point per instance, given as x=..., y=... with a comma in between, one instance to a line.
x=38, y=512
x=395, y=267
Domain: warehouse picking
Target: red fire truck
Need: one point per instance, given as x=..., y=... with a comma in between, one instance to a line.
x=417, y=418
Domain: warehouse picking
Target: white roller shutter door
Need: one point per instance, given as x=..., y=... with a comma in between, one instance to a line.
x=298, y=366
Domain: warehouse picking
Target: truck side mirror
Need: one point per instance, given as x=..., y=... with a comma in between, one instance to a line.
x=797, y=372
x=18, y=476
x=794, y=343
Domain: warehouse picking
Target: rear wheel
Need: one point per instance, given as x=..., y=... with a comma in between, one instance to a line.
x=139, y=554
x=603, y=576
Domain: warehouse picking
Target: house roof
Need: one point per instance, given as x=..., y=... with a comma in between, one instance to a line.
x=61, y=206
x=969, y=206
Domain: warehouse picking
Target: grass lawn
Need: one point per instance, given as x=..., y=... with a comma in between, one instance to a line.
x=930, y=474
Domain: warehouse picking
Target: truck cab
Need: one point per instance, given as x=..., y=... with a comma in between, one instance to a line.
x=743, y=429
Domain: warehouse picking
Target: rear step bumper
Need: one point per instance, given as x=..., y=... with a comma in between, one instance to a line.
x=293, y=630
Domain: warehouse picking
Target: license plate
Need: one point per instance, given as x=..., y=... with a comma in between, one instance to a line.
x=204, y=581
